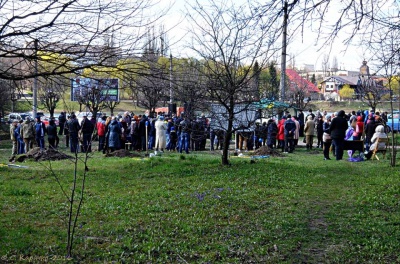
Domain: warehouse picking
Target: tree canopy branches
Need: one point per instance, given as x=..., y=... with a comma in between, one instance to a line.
x=87, y=32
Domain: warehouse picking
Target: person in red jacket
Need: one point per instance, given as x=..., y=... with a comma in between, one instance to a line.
x=281, y=133
x=358, y=131
x=101, y=132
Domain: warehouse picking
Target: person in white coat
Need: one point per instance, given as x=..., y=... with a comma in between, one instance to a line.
x=161, y=137
x=379, y=133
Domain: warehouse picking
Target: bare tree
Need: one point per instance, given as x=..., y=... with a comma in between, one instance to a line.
x=51, y=90
x=230, y=39
x=299, y=94
x=325, y=65
x=334, y=64
x=84, y=33
x=386, y=45
x=370, y=88
x=357, y=21
x=111, y=105
x=152, y=85
x=8, y=93
x=190, y=86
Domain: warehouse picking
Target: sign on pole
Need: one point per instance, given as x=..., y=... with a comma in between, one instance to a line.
x=81, y=87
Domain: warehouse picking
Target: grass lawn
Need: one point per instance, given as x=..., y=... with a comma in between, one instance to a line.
x=190, y=209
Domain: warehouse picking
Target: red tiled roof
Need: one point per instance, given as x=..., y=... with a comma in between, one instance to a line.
x=300, y=81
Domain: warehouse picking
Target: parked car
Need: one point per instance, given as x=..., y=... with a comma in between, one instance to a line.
x=395, y=126
x=17, y=116
x=80, y=115
x=38, y=114
x=46, y=120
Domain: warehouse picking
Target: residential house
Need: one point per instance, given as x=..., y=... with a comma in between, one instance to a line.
x=331, y=86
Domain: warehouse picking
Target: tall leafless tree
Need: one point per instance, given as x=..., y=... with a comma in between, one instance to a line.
x=229, y=39
x=325, y=65
x=385, y=45
x=189, y=86
x=79, y=31
x=334, y=64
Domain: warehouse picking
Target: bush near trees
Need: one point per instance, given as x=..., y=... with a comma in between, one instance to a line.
x=346, y=92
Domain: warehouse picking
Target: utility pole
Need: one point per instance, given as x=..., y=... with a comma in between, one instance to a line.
x=35, y=80
x=170, y=80
x=283, y=58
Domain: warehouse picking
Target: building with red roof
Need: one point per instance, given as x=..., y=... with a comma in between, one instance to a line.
x=296, y=83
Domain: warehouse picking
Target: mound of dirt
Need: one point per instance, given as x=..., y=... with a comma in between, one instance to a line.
x=42, y=155
x=122, y=153
x=265, y=150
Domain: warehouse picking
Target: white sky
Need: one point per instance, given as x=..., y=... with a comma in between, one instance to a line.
x=305, y=49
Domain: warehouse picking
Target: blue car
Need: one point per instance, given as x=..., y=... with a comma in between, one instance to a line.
x=396, y=121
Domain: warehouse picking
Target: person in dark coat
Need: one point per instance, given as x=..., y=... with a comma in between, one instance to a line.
x=40, y=132
x=107, y=134
x=134, y=131
x=272, y=131
x=124, y=132
x=338, y=129
x=185, y=129
x=264, y=133
x=114, y=135
x=21, y=144
x=320, y=130
x=300, y=118
x=66, y=132
x=369, y=131
x=143, y=131
x=326, y=138
x=52, y=134
x=87, y=132
x=73, y=130
x=62, y=119
x=289, y=130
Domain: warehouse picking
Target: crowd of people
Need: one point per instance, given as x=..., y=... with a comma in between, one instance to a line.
x=179, y=133
x=128, y=131
x=328, y=131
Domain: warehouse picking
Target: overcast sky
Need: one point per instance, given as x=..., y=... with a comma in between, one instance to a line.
x=305, y=49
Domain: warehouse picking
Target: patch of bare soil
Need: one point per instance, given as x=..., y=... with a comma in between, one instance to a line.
x=41, y=155
x=264, y=150
x=314, y=152
x=122, y=153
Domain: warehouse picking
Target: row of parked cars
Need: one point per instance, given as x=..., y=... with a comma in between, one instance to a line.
x=23, y=116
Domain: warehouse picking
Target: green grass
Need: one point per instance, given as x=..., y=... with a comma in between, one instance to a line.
x=190, y=209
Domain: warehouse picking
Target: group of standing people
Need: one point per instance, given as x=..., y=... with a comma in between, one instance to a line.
x=361, y=126
x=160, y=133
x=179, y=133
x=329, y=130
x=27, y=133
